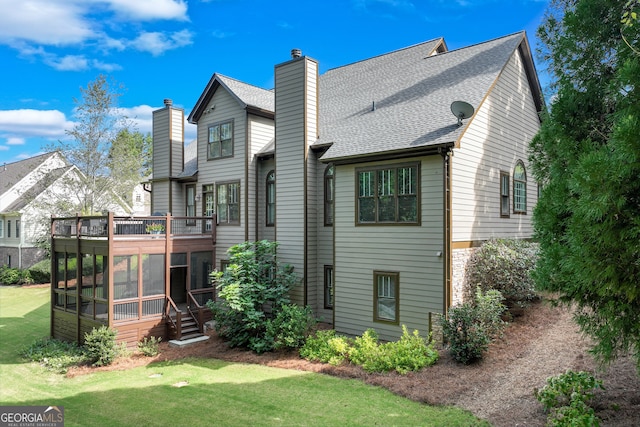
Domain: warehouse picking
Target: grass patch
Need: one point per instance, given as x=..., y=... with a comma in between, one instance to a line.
x=195, y=392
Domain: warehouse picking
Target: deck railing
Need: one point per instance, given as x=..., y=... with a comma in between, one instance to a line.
x=139, y=226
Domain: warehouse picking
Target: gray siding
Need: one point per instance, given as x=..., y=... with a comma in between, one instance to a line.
x=324, y=247
x=161, y=148
x=410, y=250
x=296, y=112
x=260, y=131
x=264, y=232
x=497, y=138
x=226, y=169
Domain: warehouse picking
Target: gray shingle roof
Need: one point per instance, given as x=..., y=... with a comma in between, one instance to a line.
x=250, y=95
x=11, y=173
x=412, y=92
x=38, y=188
x=190, y=159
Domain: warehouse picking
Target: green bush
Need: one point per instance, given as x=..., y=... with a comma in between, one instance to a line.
x=326, y=347
x=14, y=276
x=410, y=353
x=565, y=397
x=469, y=328
x=253, y=290
x=504, y=265
x=41, y=272
x=54, y=354
x=100, y=346
x=150, y=346
x=291, y=327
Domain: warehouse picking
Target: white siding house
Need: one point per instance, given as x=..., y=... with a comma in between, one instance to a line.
x=375, y=191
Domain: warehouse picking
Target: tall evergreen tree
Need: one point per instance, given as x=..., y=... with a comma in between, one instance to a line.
x=587, y=159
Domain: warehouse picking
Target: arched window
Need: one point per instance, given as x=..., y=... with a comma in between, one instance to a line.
x=271, y=198
x=519, y=188
x=328, y=195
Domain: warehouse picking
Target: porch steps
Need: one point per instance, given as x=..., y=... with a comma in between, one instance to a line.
x=189, y=328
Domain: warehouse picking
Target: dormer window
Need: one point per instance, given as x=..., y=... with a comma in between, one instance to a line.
x=220, y=142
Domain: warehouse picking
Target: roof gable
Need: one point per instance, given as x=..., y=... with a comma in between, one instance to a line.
x=402, y=101
x=252, y=98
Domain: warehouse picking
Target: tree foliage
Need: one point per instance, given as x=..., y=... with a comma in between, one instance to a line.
x=587, y=157
x=98, y=122
x=129, y=161
x=253, y=309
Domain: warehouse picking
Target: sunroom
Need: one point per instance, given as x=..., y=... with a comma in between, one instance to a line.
x=142, y=276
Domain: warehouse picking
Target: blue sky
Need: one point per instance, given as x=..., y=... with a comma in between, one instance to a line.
x=159, y=49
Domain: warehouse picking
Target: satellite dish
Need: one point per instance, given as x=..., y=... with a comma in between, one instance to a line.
x=462, y=110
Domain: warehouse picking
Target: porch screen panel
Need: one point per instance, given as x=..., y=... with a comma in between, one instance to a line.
x=86, y=281
x=125, y=276
x=201, y=267
x=102, y=290
x=71, y=271
x=152, y=274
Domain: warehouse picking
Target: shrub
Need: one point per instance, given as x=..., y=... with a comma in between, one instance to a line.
x=291, y=326
x=469, y=328
x=253, y=290
x=504, y=265
x=100, y=346
x=326, y=347
x=410, y=353
x=150, y=346
x=566, y=398
x=41, y=272
x=54, y=354
x=14, y=276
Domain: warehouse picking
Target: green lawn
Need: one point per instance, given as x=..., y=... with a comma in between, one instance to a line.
x=216, y=392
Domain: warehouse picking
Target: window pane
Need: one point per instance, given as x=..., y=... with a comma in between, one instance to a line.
x=407, y=180
x=366, y=182
x=225, y=131
x=61, y=268
x=214, y=133
x=386, y=309
x=387, y=209
x=227, y=148
x=72, y=264
x=408, y=209
x=214, y=149
x=367, y=210
x=386, y=182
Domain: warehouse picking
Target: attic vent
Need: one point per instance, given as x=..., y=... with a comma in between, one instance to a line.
x=296, y=53
x=168, y=102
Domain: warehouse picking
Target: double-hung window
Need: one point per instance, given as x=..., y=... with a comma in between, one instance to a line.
x=388, y=195
x=386, y=296
x=220, y=143
x=228, y=203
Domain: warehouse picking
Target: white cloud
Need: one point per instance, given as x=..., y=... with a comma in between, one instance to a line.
x=15, y=141
x=36, y=27
x=27, y=123
x=50, y=22
x=151, y=9
x=157, y=43
x=68, y=63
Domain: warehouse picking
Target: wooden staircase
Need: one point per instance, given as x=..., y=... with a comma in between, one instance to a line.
x=188, y=327
x=180, y=322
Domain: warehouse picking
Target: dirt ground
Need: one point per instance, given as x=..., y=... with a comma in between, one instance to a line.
x=543, y=342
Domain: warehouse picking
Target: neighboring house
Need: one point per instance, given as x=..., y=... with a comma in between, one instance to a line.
x=23, y=185
x=28, y=189
x=375, y=191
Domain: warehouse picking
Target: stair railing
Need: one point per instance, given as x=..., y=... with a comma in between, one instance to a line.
x=177, y=323
x=198, y=316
